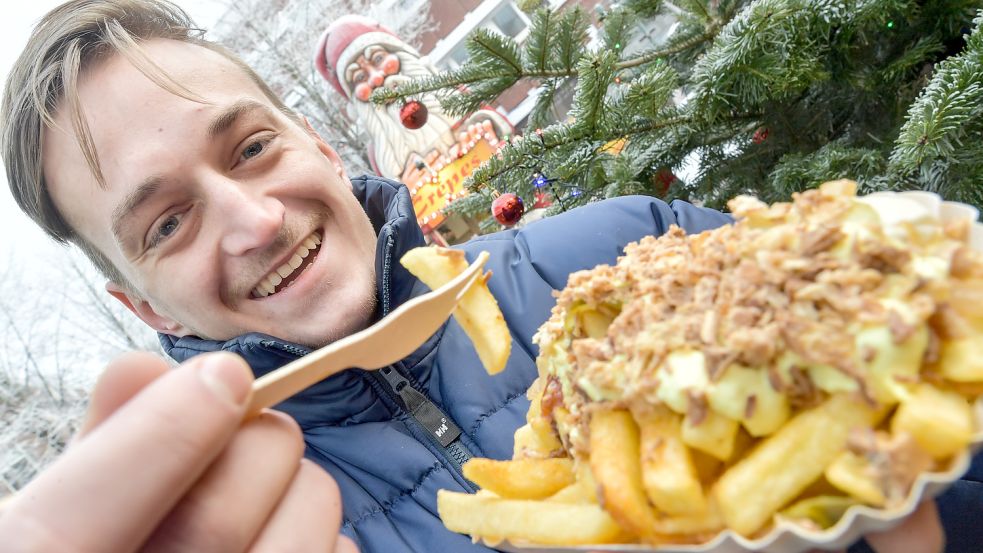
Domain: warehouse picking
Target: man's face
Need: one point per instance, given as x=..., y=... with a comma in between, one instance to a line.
x=210, y=206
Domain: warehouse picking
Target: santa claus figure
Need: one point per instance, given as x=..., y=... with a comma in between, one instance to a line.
x=410, y=142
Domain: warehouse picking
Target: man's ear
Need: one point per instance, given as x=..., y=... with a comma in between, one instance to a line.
x=327, y=151
x=142, y=309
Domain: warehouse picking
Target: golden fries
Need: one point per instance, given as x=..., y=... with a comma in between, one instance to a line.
x=853, y=474
x=804, y=361
x=616, y=464
x=521, y=478
x=940, y=421
x=668, y=473
x=785, y=463
x=583, y=490
x=524, y=520
x=478, y=313
x=715, y=434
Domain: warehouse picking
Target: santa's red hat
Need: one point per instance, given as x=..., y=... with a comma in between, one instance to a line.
x=343, y=40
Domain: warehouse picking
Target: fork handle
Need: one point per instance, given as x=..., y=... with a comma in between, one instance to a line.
x=276, y=386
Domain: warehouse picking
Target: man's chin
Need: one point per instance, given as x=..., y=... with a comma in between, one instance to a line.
x=355, y=319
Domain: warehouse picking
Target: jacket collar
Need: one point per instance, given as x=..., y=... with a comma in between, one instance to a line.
x=390, y=209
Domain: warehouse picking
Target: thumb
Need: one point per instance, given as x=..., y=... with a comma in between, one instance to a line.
x=123, y=378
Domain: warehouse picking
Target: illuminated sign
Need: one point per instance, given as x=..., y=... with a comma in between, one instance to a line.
x=431, y=195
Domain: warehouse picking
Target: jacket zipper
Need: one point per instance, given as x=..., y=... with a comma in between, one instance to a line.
x=439, y=427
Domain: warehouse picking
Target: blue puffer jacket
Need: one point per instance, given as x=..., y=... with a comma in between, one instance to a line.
x=379, y=433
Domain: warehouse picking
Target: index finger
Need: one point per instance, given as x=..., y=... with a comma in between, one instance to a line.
x=111, y=489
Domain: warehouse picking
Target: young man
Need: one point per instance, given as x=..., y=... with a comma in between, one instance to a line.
x=225, y=223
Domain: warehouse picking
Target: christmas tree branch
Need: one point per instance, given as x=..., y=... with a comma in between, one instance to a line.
x=654, y=55
x=953, y=100
x=515, y=154
x=552, y=51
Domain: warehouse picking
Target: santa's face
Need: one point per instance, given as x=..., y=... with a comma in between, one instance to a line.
x=369, y=71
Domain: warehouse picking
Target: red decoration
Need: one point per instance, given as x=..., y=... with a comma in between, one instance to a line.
x=665, y=178
x=508, y=209
x=413, y=114
x=760, y=135
x=542, y=200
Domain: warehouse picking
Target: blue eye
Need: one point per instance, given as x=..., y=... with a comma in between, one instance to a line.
x=253, y=149
x=165, y=230
x=169, y=226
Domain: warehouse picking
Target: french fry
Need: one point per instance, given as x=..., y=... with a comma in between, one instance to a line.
x=521, y=478
x=668, y=473
x=714, y=435
x=595, y=323
x=852, y=474
x=615, y=463
x=941, y=422
x=786, y=462
x=823, y=510
x=962, y=360
x=541, y=522
x=692, y=527
x=540, y=425
x=527, y=445
x=477, y=313
x=583, y=490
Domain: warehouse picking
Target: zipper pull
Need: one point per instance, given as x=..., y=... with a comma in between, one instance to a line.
x=422, y=409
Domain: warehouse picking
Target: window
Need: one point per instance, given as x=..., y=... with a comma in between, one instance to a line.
x=507, y=21
x=500, y=17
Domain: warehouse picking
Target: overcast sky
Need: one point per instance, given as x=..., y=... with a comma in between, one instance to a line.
x=22, y=240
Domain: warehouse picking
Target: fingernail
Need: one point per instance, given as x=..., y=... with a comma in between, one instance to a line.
x=227, y=376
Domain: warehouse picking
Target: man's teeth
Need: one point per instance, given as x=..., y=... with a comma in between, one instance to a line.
x=269, y=283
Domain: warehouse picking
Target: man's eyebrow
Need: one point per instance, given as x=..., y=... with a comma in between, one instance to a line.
x=224, y=121
x=138, y=196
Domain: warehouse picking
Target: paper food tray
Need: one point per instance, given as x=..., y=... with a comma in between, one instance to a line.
x=786, y=536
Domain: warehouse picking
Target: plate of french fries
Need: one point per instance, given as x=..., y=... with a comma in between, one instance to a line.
x=793, y=381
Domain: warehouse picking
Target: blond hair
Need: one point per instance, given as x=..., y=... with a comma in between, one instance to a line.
x=66, y=42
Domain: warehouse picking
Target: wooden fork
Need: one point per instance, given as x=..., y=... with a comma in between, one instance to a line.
x=384, y=343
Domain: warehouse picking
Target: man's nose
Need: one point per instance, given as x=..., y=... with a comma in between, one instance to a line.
x=250, y=219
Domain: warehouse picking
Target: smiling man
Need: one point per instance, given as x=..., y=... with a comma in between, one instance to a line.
x=225, y=223
x=222, y=215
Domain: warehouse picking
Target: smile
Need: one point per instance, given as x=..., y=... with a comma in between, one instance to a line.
x=286, y=274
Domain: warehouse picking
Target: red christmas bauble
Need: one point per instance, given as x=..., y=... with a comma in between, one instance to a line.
x=760, y=135
x=665, y=178
x=508, y=209
x=413, y=114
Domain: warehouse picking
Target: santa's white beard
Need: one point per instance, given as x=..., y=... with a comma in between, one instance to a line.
x=392, y=143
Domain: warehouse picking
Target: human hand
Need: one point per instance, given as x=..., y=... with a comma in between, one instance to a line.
x=164, y=463
x=919, y=533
